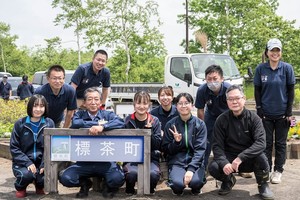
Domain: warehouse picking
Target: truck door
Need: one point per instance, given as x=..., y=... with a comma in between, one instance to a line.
x=179, y=75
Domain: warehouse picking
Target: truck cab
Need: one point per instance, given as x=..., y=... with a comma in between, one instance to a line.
x=186, y=72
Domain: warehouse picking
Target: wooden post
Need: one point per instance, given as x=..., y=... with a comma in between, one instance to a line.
x=51, y=167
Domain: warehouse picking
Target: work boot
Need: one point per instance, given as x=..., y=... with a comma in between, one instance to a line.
x=265, y=191
x=39, y=191
x=227, y=185
x=263, y=187
x=86, y=184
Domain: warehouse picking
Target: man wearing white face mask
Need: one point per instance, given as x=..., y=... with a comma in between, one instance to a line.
x=211, y=101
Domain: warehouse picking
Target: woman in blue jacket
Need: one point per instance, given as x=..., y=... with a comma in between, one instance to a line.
x=141, y=119
x=184, y=142
x=27, y=146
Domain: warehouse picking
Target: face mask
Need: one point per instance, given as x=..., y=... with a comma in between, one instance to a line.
x=214, y=86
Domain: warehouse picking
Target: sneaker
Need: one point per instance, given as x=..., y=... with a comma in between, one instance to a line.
x=21, y=193
x=245, y=175
x=227, y=186
x=276, y=177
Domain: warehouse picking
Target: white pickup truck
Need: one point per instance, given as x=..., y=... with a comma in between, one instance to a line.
x=184, y=72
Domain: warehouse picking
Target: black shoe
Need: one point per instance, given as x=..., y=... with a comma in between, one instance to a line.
x=226, y=186
x=265, y=192
x=86, y=184
x=109, y=192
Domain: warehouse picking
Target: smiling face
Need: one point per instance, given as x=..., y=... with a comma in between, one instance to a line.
x=274, y=55
x=99, y=62
x=165, y=99
x=92, y=102
x=56, y=80
x=184, y=107
x=38, y=109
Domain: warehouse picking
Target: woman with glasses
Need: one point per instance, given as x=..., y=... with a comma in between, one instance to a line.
x=184, y=141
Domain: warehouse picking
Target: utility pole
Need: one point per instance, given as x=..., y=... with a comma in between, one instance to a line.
x=186, y=27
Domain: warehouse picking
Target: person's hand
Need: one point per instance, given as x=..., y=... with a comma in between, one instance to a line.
x=235, y=164
x=32, y=168
x=227, y=169
x=188, y=177
x=42, y=170
x=177, y=136
x=260, y=112
x=95, y=130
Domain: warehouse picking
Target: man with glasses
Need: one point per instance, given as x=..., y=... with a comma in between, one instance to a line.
x=239, y=142
x=59, y=95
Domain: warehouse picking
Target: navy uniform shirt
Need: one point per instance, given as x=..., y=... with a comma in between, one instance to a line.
x=215, y=104
x=274, y=87
x=66, y=99
x=84, y=77
x=163, y=118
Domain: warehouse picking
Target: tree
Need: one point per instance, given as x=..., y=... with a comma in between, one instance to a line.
x=118, y=22
x=240, y=28
x=73, y=15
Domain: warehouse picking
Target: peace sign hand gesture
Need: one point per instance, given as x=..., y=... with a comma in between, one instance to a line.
x=177, y=136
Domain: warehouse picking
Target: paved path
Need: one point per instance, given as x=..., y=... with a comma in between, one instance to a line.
x=244, y=189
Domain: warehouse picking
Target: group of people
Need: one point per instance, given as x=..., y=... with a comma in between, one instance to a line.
x=241, y=140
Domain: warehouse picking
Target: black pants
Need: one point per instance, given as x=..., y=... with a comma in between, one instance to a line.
x=276, y=130
x=259, y=163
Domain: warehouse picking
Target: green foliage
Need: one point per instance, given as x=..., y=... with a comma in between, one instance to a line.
x=242, y=29
x=11, y=111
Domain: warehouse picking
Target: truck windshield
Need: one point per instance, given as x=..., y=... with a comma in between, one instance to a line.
x=202, y=61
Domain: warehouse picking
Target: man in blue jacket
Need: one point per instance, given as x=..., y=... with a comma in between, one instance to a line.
x=97, y=121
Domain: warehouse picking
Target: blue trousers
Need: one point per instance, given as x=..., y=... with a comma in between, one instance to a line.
x=112, y=173
x=25, y=177
x=278, y=128
x=176, y=179
x=131, y=172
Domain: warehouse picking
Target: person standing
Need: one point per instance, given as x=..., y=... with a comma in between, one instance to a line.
x=211, y=102
x=239, y=142
x=92, y=74
x=59, y=95
x=184, y=142
x=97, y=121
x=27, y=146
x=141, y=119
x=274, y=83
x=25, y=89
x=5, y=88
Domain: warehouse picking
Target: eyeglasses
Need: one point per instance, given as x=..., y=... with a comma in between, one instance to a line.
x=181, y=104
x=234, y=99
x=57, y=78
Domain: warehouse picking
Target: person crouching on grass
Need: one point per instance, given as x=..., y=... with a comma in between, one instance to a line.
x=27, y=146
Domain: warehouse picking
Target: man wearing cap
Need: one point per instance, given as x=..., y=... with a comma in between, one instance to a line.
x=274, y=83
x=5, y=88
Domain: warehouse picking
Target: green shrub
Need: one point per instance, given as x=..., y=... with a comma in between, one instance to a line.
x=11, y=111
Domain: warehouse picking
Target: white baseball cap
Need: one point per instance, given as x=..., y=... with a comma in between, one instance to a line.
x=274, y=43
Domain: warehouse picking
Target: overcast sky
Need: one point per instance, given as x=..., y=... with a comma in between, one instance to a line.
x=32, y=21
